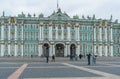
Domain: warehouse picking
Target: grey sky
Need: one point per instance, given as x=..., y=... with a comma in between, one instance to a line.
x=101, y=8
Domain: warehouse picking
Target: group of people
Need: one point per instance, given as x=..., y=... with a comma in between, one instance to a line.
x=53, y=58
x=75, y=58
x=93, y=58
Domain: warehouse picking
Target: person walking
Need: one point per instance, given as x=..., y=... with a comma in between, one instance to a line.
x=47, y=55
x=80, y=56
x=94, y=59
x=89, y=57
x=53, y=58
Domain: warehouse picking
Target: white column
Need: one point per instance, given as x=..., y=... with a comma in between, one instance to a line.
x=9, y=32
x=106, y=34
x=68, y=49
x=95, y=53
x=65, y=50
x=9, y=40
x=40, y=32
x=16, y=40
x=22, y=26
x=50, y=32
x=15, y=32
x=2, y=32
x=76, y=33
x=106, y=51
x=50, y=50
x=68, y=29
x=111, y=50
x=78, y=50
x=62, y=33
x=100, y=34
x=53, y=47
x=41, y=50
x=2, y=50
x=22, y=50
x=111, y=34
x=22, y=31
x=56, y=32
x=100, y=50
x=9, y=53
x=16, y=47
x=2, y=39
x=95, y=34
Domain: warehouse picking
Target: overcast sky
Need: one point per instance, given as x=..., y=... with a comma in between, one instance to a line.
x=101, y=8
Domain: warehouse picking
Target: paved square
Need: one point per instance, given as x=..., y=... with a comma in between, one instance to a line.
x=61, y=69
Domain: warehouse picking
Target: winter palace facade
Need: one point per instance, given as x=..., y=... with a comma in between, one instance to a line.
x=26, y=35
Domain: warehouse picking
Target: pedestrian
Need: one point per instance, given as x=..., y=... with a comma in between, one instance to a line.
x=89, y=57
x=94, y=59
x=80, y=56
x=47, y=55
x=53, y=58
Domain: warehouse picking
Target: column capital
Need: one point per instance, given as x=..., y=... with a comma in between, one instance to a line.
x=68, y=43
x=51, y=42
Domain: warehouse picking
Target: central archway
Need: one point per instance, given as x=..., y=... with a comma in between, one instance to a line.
x=72, y=50
x=45, y=50
x=59, y=50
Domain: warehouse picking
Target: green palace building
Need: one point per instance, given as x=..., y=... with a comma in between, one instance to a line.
x=26, y=35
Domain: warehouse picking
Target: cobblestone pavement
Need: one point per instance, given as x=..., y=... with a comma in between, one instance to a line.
x=63, y=68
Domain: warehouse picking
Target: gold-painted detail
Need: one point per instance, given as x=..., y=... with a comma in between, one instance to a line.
x=12, y=20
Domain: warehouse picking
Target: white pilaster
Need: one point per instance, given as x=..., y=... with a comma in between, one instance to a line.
x=9, y=32
x=78, y=50
x=22, y=50
x=65, y=50
x=100, y=50
x=106, y=34
x=111, y=34
x=95, y=52
x=9, y=53
x=111, y=50
x=56, y=32
x=50, y=50
x=53, y=47
x=2, y=50
x=68, y=49
x=16, y=47
x=41, y=50
x=76, y=33
x=69, y=37
x=50, y=32
x=15, y=32
x=106, y=51
x=2, y=39
x=40, y=32
x=2, y=32
x=95, y=34
x=22, y=31
x=100, y=34
x=62, y=33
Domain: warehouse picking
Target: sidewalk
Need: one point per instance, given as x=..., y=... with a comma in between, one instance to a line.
x=58, y=59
